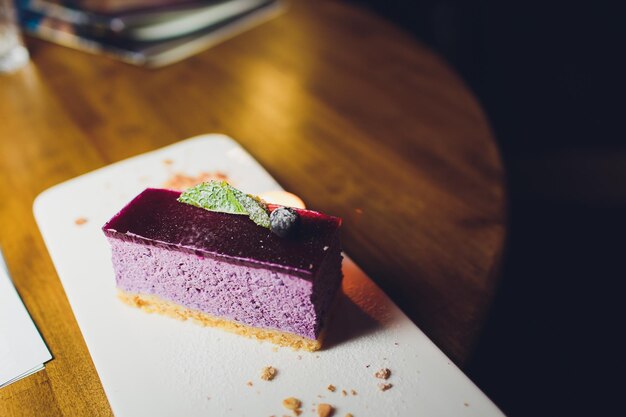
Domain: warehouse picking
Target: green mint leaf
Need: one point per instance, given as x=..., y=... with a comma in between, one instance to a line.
x=256, y=208
x=213, y=196
x=222, y=197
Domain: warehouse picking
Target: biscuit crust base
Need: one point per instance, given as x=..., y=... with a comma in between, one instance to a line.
x=154, y=304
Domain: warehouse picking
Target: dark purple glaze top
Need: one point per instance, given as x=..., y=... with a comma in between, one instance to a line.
x=155, y=217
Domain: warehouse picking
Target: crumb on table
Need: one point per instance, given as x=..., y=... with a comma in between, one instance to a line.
x=80, y=221
x=331, y=388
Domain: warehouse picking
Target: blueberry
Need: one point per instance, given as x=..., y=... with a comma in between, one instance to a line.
x=283, y=221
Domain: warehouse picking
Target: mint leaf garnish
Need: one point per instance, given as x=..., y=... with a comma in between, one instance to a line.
x=213, y=196
x=222, y=197
x=256, y=208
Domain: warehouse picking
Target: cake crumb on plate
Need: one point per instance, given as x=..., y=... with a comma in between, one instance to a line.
x=384, y=387
x=292, y=403
x=80, y=221
x=383, y=373
x=325, y=410
x=179, y=181
x=268, y=373
x=331, y=388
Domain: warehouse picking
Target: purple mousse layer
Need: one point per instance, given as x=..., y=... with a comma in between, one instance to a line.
x=197, y=259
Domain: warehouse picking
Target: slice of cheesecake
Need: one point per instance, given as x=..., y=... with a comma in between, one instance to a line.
x=224, y=270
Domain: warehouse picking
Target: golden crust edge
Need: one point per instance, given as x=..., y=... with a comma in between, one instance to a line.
x=154, y=304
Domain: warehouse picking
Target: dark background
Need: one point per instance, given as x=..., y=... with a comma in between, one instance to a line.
x=549, y=77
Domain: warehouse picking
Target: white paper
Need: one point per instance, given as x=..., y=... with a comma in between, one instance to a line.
x=22, y=350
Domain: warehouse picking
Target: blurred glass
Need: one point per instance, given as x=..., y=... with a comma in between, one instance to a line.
x=13, y=54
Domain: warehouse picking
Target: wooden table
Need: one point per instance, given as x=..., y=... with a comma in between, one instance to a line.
x=342, y=108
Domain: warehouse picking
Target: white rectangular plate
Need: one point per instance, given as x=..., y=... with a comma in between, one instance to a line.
x=158, y=366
